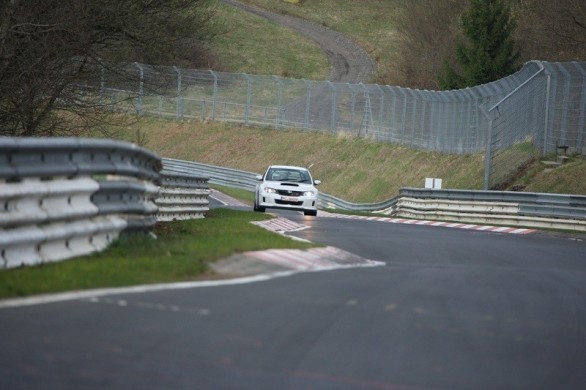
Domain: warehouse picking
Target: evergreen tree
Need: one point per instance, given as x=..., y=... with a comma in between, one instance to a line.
x=490, y=53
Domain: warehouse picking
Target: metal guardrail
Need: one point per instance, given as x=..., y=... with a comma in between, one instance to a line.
x=67, y=197
x=540, y=210
x=537, y=210
x=217, y=175
x=182, y=196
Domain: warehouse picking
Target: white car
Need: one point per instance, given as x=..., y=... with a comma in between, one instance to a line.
x=286, y=187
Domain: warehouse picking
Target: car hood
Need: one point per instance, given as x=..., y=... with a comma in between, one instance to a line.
x=283, y=185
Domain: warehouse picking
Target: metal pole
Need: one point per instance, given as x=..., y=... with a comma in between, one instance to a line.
x=179, y=112
x=279, y=101
x=248, y=98
x=215, y=94
x=580, y=147
x=381, y=102
x=353, y=116
x=307, y=104
x=139, y=101
x=102, y=83
x=487, y=157
x=333, y=116
x=546, y=119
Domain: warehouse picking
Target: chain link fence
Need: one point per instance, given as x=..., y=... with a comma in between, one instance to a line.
x=512, y=120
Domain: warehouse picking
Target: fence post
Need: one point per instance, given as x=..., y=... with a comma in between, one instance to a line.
x=102, y=84
x=307, y=104
x=381, y=103
x=580, y=141
x=546, y=119
x=139, y=101
x=248, y=98
x=491, y=115
x=279, y=101
x=333, y=116
x=179, y=112
x=403, y=116
x=215, y=94
x=487, y=154
x=366, y=112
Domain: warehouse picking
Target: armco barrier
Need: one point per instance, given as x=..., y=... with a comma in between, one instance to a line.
x=67, y=197
x=539, y=210
x=182, y=196
x=217, y=175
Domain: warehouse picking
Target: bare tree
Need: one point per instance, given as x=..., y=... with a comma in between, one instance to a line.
x=49, y=49
x=428, y=31
x=551, y=30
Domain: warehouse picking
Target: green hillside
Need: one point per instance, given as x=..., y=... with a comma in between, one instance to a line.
x=354, y=169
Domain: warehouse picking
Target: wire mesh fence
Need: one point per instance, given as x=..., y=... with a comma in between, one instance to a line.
x=512, y=120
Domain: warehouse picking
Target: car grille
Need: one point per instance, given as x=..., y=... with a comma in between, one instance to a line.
x=289, y=193
x=279, y=201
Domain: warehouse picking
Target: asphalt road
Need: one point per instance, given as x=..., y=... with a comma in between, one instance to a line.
x=451, y=309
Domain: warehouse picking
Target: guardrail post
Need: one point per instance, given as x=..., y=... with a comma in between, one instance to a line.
x=139, y=102
x=179, y=112
x=215, y=94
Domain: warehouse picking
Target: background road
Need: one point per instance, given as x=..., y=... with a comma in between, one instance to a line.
x=451, y=309
x=349, y=61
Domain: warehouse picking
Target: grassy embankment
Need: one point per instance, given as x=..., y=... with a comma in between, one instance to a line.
x=354, y=169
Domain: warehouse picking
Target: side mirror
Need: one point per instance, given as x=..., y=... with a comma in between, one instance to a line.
x=317, y=182
x=259, y=177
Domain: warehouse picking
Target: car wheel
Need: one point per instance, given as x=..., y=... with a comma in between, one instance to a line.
x=258, y=209
x=310, y=212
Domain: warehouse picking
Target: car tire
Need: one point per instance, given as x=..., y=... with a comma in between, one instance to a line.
x=258, y=209
x=310, y=212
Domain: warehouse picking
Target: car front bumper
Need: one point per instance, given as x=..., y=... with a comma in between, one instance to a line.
x=288, y=202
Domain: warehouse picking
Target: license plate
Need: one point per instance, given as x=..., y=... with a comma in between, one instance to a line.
x=289, y=199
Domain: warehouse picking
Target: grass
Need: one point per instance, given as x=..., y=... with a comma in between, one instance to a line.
x=181, y=252
x=244, y=196
x=252, y=44
x=369, y=23
x=355, y=169
x=566, y=179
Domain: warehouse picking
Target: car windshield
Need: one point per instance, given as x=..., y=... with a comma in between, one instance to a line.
x=288, y=174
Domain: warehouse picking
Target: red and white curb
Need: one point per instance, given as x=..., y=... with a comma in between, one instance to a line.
x=280, y=225
x=306, y=260
x=496, y=229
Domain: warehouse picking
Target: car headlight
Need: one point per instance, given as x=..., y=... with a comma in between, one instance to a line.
x=270, y=190
x=308, y=193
